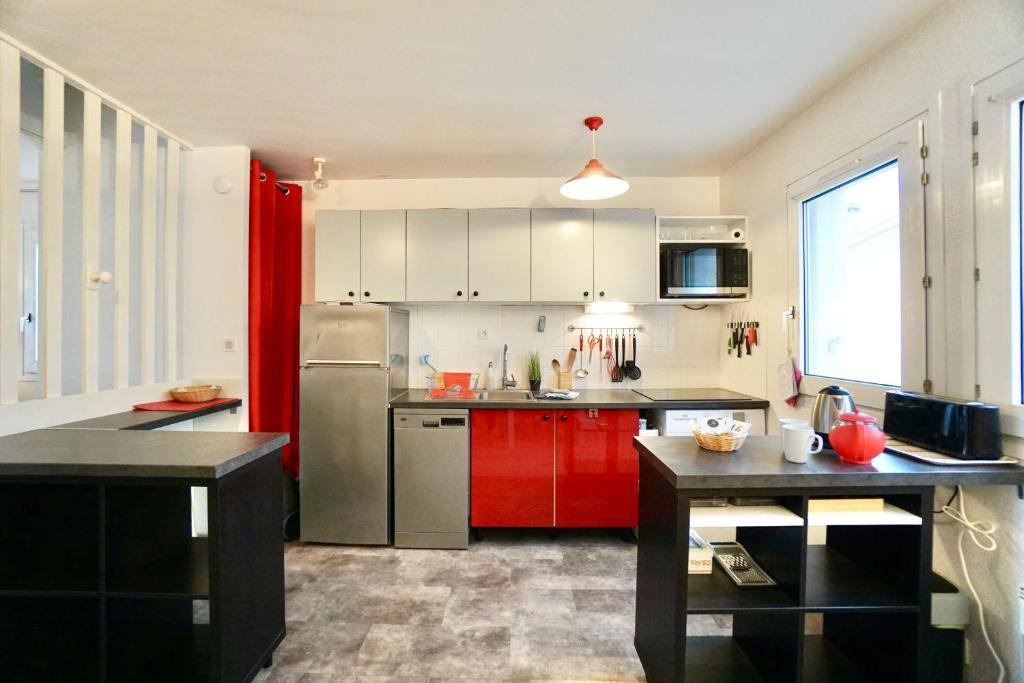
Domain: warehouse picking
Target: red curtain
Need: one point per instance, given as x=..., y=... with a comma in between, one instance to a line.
x=275, y=281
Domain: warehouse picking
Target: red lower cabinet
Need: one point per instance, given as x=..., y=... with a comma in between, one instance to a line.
x=596, y=468
x=564, y=468
x=512, y=468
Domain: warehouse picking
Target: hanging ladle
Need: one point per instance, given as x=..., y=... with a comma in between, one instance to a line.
x=583, y=372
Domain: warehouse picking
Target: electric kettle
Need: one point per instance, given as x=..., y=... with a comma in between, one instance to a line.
x=829, y=404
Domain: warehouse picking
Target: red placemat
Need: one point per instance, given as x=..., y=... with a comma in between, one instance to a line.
x=180, y=406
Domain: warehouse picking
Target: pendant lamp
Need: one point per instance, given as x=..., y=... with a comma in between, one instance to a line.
x=594, y=181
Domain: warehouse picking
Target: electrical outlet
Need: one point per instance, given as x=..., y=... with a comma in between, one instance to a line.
x=481, y=334
x=230, y=344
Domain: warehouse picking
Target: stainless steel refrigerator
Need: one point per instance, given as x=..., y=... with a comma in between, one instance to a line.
x=353, y=359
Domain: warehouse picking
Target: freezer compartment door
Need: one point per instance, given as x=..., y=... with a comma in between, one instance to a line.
x=343, y=336
x=343, y=442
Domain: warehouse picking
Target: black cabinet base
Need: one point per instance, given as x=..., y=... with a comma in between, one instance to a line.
x=101, y=579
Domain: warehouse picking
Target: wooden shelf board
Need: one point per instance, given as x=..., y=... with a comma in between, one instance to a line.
x=834, y=582
x=890, y=515
x=719, y=659
x=743, y=515
x=715, y=593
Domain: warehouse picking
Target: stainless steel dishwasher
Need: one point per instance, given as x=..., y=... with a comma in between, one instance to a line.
x=431, y=478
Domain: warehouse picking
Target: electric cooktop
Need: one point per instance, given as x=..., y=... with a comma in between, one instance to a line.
x=692, y=395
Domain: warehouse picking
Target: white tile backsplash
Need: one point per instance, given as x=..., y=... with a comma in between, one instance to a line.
x=679, y=347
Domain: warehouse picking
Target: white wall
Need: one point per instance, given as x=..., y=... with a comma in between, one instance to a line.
x=215, y=289
x=677, y=351
x=930, y=68
x=678, y=347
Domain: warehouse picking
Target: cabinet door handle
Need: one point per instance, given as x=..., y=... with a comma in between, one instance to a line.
x=458, y=293
x=563, y=418
x=547, y=417
x=351, y=293
x=476, y=293
x=600, y=293
x=586, y=294
x=366, y=294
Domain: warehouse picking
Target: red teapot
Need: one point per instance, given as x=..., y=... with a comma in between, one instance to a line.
x=857, y=438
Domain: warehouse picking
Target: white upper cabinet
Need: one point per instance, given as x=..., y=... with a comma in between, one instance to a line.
x=337, y=256
x=562, y=249
x=437, y=252
x=382, y=255
x=499, y=255
x=625, y=255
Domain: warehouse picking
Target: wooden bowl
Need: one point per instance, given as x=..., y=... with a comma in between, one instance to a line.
x=198, y=393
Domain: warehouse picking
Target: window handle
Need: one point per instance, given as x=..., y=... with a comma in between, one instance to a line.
x=24, y=320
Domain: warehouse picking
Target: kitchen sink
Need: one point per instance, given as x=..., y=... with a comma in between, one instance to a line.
x=504, y=395
x=489, y=395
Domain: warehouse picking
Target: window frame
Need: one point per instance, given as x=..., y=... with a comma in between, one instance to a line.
x=902, y=144
x=998, y=107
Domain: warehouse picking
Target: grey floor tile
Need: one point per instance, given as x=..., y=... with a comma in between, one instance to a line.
x=519, y=606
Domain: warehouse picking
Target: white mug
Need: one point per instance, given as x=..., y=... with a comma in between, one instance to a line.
x=795, y=421
x=797, y=443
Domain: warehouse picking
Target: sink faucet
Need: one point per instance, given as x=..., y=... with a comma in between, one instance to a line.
x=505, y=381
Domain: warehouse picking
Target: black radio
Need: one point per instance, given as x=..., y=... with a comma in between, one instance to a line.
x=967, y=430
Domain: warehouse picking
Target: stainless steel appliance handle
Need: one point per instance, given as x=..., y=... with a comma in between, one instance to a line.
x=344, y=363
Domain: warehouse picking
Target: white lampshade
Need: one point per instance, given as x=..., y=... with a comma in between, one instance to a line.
x=594, y=182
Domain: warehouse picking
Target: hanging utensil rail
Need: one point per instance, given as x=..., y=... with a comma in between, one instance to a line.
x=606, y=330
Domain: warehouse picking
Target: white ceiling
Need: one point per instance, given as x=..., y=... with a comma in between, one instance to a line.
x=466, y=88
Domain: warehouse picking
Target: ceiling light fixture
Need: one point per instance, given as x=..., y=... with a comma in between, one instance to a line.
x=319, y=183
x=594, y=181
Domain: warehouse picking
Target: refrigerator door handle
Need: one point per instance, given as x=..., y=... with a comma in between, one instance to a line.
x=346, y=363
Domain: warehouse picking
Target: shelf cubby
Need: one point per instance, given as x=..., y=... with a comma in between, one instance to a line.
x=719, y=659
x=159, y=637
x=150, y=549
x=836, y=582
x=49, y=534
x=65, y=628
x=880, y=647
x=715, y=593
x=823, y=661
x=763, y=647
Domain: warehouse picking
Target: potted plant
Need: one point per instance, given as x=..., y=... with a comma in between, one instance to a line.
x=533, y=370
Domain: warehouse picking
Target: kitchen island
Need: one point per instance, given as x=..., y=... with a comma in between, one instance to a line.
x=101, y=577
x=869, y=581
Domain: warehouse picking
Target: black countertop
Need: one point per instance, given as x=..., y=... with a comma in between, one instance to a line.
x=132, y=453
x=147, y=419
x=696, y=399
x=759, y=465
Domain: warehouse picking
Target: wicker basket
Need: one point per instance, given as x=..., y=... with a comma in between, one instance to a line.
x=199, y=393
x=723, y=443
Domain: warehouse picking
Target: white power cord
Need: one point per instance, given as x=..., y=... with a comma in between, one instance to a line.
x=983, y=535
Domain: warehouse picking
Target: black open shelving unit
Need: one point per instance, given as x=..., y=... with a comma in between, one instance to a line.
x=102, y=580
x=868, y=583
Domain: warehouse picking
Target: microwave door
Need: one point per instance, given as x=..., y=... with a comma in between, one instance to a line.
x=697, y=272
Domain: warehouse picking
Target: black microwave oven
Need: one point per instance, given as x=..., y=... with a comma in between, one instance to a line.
x=699, y=271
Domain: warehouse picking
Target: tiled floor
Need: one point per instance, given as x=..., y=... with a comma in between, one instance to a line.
x=516, y=606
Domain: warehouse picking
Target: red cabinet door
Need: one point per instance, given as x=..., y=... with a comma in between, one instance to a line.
x=512, y=468
x=597, y=468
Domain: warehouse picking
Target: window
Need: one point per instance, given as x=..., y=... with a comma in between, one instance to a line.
x=857, y=249
x=30, y=167
x=851, y=243
x=998, y=103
